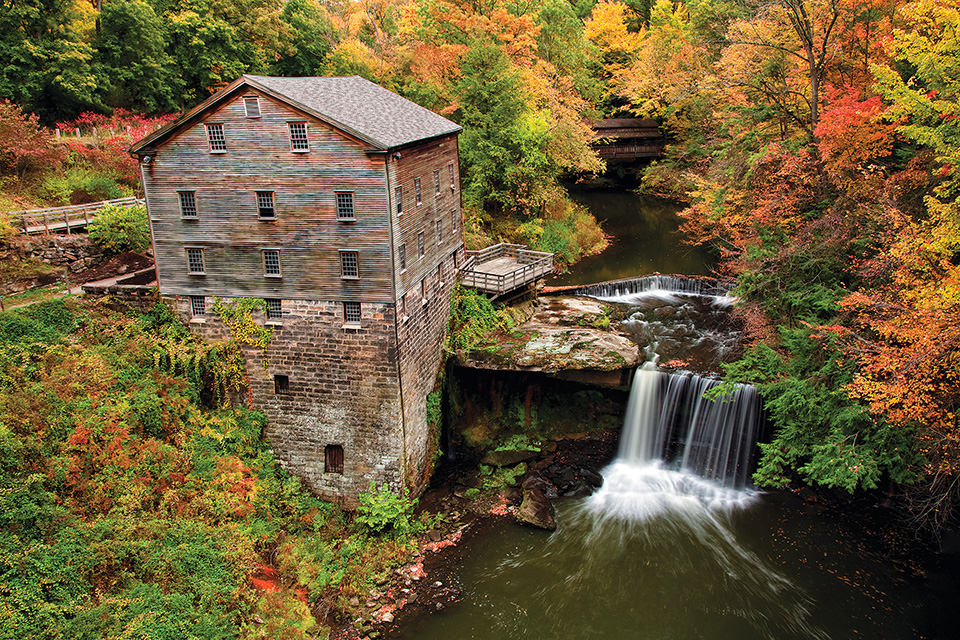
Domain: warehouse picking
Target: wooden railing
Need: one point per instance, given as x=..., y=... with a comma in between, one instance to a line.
x=64, y=218
x=530, y=266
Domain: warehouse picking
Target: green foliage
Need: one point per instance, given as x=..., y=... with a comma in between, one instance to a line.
x=383, y=511
x=133, y=67
x=114, y=481
x=81, y=184
x=434, y=408
x=472, y=318
x=238, y=316
x=44, y=322
x=821, y=434
x=118, y=229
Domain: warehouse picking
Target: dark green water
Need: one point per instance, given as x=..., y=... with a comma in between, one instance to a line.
x=645, y=239
x=778, y=568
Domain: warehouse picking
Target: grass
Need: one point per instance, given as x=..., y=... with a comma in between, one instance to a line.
x=31, y=296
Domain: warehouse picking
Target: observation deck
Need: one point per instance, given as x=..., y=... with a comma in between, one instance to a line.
x=503, y=268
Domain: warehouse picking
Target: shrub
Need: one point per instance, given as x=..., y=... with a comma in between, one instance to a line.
x=382, y=511
x=80, y=185
x=119, y=229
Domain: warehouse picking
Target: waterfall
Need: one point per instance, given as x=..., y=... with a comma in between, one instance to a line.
x=669, y=419
x=681, y=455
x=623, y=290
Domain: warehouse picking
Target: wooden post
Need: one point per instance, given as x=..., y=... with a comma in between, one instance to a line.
x=46, y=225
x=66, y=220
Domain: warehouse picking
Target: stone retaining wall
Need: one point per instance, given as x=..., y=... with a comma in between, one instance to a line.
x=74, y=252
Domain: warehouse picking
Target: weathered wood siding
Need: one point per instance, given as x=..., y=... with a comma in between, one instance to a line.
x=420, y=162
x=306, y=230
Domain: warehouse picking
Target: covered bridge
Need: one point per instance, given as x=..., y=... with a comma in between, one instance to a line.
x=627, y=138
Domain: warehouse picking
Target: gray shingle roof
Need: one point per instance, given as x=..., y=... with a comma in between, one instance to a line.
x=361, y=107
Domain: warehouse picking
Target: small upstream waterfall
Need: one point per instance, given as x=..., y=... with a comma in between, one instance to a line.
x=622, y=290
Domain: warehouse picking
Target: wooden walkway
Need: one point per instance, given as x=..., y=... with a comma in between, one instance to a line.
x=64, y=219
x=503, y=268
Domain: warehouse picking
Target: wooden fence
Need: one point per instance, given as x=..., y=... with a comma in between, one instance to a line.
x=503, y=267
x=64, y=218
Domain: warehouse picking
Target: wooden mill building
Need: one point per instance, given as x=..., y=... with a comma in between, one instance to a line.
x=337, y=202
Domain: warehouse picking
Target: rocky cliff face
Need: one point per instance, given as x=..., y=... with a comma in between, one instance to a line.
x=572, y=338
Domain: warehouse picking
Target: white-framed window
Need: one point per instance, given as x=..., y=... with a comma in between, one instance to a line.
x=398, y=196
x=251, y=104
x=195, y=261
x=453, y=185
x=421, y=247
x=216, y=139
x=403, y=257
x=345, y=205
x=436, y=182
x=416, y=186
x=349, y=264
x=439, y=231
x=265, y=206
x=274, y=308
x=198, y=306
x=188, y=204
x=271, y=263
x=298, y=137
x=351, y=313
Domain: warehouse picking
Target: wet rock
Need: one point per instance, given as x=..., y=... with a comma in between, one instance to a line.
x=579, y=489
x=435, y=535
x=387, y=617
x=566, y=478
x=536, y=509
x=354, y=602
x=592, y=477
x=508, y=458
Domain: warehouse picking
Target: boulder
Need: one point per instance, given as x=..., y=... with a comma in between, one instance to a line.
x=536, y=509
x=592, y=477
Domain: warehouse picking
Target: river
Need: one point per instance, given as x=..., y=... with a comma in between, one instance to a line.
x=644, y=236
x=660, y=553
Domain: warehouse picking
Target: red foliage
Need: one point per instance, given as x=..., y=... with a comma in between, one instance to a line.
x=114, y=135
x=851, y=133
x=23, y=143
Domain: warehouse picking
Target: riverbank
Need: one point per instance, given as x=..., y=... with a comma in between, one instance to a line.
x=472, y=504
x=849, y=568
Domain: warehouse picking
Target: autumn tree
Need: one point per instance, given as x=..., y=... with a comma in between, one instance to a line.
x=133, y=68
x=908, y=343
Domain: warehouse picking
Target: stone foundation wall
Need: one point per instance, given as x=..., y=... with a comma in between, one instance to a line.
x=77, y=253
x=425, y=315
x=342, y=390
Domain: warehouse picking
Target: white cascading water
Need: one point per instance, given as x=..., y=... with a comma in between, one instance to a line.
x=625, y=289
x=679, y=450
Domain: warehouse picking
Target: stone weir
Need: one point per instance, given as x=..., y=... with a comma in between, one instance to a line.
x=682, y=284
x=569, y=338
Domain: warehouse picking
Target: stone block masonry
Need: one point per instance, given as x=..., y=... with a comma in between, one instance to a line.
x=422, y=326
x=346, y=402
x=330, y=391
